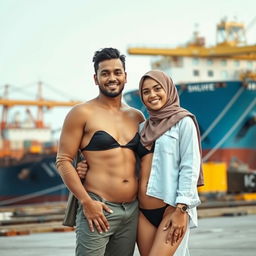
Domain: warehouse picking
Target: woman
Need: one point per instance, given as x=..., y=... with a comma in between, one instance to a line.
x=170, y=168
x=170, y=155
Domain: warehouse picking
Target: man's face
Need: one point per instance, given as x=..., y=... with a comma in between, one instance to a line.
x=110, y=77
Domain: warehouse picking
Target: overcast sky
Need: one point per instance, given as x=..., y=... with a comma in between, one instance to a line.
x=54, y=40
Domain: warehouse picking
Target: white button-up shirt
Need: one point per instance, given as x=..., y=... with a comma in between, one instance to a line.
x=175, y=167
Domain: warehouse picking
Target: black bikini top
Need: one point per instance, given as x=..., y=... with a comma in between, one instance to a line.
x=101, y=140
x=142, y=150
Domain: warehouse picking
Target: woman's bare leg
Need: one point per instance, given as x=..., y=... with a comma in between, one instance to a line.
x=145, y=235
x=159, y=246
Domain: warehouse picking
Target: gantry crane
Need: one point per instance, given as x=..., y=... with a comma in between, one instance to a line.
x=39, y=102
x=230, y=44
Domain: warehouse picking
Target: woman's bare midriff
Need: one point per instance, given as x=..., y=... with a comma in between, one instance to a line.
x=145, y=201
x=111, y=174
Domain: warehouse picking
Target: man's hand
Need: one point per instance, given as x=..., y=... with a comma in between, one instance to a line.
x=82, y=168
x=93, y=210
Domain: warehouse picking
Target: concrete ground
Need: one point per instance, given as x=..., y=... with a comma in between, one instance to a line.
x=220, y=236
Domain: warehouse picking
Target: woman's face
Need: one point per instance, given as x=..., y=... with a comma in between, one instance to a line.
x=153, y=94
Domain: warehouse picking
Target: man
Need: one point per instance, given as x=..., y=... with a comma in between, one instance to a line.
x=105, y=130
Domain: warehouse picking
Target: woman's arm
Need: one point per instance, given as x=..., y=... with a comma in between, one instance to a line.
x=189, y=166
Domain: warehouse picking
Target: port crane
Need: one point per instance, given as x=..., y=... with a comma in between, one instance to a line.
x=40, y=103
x=230, y=39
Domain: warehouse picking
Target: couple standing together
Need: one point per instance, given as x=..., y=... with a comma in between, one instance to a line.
x=155, y=206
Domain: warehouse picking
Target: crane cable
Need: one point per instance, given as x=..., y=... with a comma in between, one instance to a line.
x=250, y=24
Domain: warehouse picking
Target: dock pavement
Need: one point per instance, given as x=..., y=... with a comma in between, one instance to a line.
x=216, y=236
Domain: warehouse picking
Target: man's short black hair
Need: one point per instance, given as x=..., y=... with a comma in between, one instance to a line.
x=107, y=54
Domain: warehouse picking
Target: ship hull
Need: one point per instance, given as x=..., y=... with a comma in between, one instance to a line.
x=226, y=113
x=32, y=181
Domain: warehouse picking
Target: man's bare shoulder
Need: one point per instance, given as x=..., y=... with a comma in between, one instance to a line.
x=82, y=108
x=134, y=113
x=80, y=112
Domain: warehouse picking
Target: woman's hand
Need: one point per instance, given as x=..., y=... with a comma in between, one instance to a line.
x=176, y=225
x=82, y=168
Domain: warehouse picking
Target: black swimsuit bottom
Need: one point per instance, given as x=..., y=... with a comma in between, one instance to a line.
x=154, y=216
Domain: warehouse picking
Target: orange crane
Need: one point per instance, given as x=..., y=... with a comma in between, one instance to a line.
x=40, y=103
x=230, y=44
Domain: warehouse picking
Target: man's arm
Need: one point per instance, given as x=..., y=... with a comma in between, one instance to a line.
x=69, y=143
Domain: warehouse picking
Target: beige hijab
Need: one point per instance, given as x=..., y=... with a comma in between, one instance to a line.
x=162, y=120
